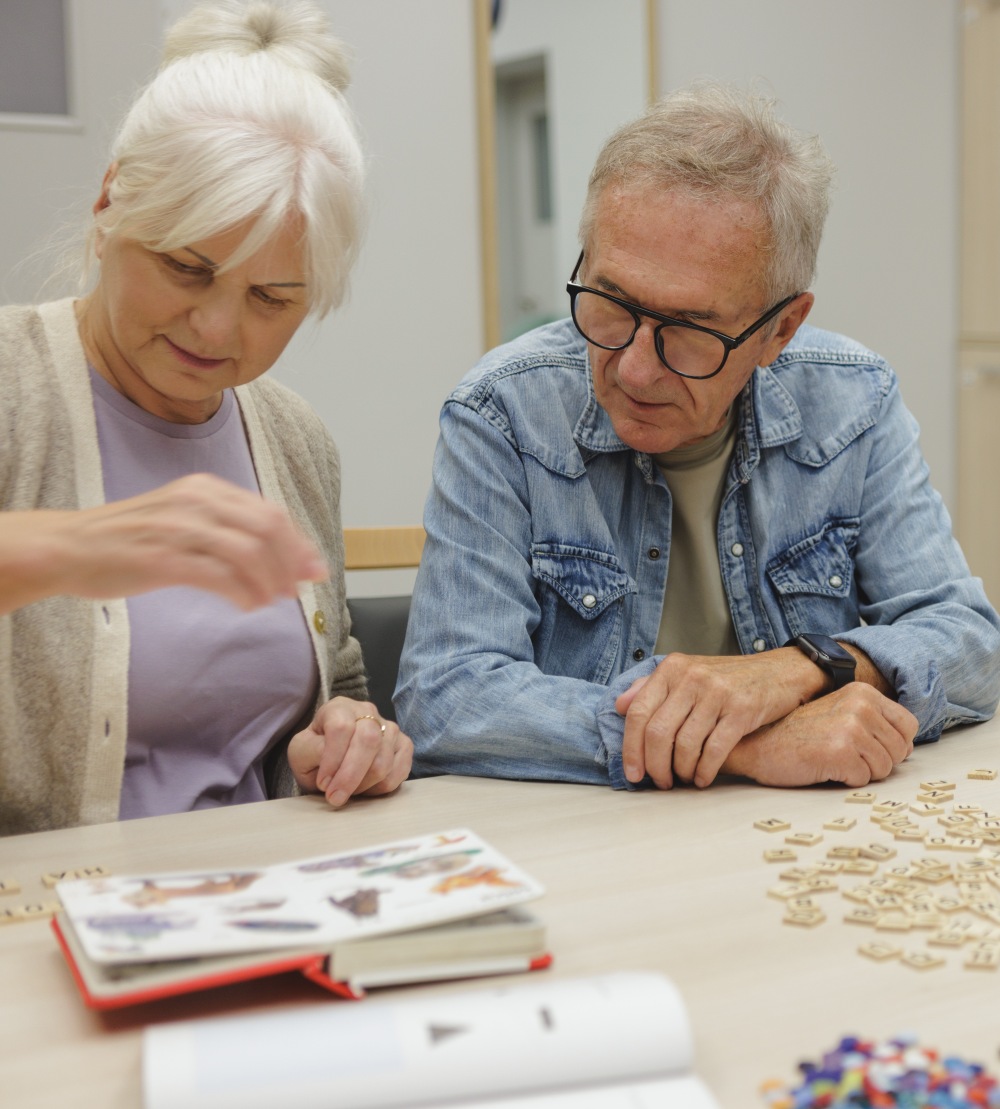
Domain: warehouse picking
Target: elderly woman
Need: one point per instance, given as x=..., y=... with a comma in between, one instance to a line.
x=144, y=455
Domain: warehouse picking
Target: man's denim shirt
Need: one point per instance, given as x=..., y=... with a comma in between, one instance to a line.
x=541, y=586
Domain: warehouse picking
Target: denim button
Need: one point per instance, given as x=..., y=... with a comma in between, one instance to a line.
x=589, y=600
x=737, y=549
x=654, y=553
x=759, y=645
x=638, y=654
x=836, y=581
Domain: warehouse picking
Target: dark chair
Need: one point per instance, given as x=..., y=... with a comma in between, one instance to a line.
x=379, y=623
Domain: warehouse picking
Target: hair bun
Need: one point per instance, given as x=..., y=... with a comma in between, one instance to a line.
x=295, y=32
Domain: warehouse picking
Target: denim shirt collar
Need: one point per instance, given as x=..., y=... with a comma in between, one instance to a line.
x=769, y=417
x=594, y=433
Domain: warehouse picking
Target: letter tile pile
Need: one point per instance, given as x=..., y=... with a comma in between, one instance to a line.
x=946, y=898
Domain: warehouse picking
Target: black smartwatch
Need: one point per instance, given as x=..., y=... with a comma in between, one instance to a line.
x=828, y=655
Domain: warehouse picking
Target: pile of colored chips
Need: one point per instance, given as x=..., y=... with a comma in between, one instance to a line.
x=894, y=1074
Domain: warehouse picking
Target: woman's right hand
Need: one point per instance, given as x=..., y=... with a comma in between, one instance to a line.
x=348, y=750
x=197, y=531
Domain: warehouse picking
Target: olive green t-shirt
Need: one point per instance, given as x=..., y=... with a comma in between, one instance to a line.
x=696, y=618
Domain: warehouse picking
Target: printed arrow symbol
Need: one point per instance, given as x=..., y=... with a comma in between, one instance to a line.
x=441, y=1032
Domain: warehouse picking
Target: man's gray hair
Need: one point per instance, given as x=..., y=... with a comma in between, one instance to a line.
x=717, y=141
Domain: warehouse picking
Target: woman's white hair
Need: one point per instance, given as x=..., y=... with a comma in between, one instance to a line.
x=720, y=142
x=246, y=121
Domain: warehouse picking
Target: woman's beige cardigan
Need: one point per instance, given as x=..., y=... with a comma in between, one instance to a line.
x=63, y=661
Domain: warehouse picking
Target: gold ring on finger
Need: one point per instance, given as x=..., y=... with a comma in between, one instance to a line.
x=381, y=723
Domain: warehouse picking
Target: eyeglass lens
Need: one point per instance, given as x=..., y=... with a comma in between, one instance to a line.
x=684, y=349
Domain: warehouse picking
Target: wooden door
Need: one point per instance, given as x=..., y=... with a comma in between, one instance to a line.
x=978, y=522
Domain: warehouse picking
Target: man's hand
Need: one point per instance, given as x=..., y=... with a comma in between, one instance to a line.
x=686, y=717
x=197, y=531
x=347, y=750
x=855, y=735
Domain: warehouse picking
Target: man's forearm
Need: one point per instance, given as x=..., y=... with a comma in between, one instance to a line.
x=868, y=672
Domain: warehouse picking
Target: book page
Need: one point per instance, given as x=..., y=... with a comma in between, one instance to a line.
x=430, y=1050
x=308, y=903
x=676, y=1092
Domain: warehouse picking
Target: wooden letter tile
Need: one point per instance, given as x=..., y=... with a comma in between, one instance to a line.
x=861, y=915
x=38, y=910
x=859, y=866
x=878, y=851
x=947, y=937
x=983, y=958
x=772, y=824
x=879, y=951
x=53, y=876
x=922, y=960
x=806, y=919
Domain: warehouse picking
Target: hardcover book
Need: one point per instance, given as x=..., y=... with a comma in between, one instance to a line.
x=444, y=905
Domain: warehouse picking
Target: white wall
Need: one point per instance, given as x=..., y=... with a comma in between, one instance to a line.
x=879, y=82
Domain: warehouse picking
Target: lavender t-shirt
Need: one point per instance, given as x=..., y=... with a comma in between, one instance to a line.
x=210, y=688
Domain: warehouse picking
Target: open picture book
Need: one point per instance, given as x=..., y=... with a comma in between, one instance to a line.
x=615, y=1041
x=444, y=905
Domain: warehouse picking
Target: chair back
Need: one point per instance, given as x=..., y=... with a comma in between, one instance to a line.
x=382, y=548
x=379, y=623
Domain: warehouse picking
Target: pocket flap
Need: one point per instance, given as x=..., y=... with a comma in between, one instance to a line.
x=587, y=580
x=822, y=564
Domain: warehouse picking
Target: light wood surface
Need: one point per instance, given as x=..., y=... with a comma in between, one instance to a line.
x=669, y=881
x=383, y=548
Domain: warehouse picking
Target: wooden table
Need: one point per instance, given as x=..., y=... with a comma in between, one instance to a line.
x=669, y=881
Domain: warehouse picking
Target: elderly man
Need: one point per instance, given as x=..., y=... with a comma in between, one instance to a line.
x=683, y=533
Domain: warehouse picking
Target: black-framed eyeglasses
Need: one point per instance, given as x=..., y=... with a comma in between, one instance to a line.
x=685, y=348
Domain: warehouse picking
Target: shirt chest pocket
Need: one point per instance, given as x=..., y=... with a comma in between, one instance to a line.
x=581, y=596
x=814, y=580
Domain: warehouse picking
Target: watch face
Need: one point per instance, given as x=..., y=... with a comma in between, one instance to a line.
x=829, y=655
x=830, y=651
